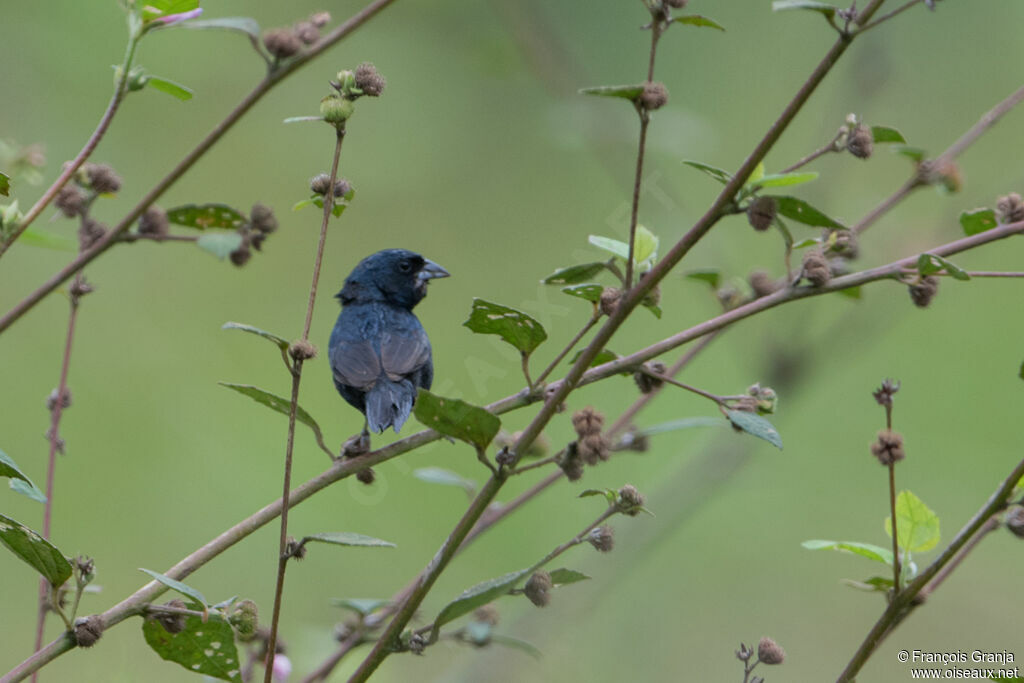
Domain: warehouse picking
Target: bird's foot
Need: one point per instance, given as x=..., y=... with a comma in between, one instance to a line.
x=356, y=446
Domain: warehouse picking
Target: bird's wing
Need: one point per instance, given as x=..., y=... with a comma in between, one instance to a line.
x=355, y=363
x=404, y=353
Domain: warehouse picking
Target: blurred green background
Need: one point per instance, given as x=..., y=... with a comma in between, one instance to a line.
x=481, y=156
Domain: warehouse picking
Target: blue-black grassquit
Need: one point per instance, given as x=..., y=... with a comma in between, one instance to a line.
x=379, y=351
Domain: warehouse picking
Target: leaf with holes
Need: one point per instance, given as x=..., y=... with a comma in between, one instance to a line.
x=802, y=212
x=629, y=92
x=718, y=174
x=977, y=221
x=515, y=327
x=575, y=274
x=348, y=538
x=755, y=425
x=205, y=216
x=591, y=292
x=457, y=419
x=697, y=20
x=929, y=264
x=201, y=647
x=35, y=550
x=884, y=134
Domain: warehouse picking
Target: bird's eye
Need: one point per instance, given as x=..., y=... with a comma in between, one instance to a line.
x=404, y=266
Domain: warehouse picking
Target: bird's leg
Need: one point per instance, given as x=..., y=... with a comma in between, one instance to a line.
x=357, y=445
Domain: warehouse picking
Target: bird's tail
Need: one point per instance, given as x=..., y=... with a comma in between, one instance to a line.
x=388, y=404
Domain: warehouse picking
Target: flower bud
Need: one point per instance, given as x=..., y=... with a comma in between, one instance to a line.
x=282, y=43
x=245, y=618
x=629, y=501
x=70, y=200
x=769, y=652
x=602, y=538
x=261, y=218
x=924, y=290
x=654, y=96
x=302, y=349
x=153, y=221
x=609, y=302
x=307, y=32
x=89, y=630
x=816, y=268
x=888, y=447
x=594, y=448
x=587, y=421
x=645, y=382
x=172, y=623
x=1010, y=209
x=538, y=588
x=761, y=213
x=336, y=109
x=861, y=142
x=762, y=283
x=369, y=80
x=102, y=178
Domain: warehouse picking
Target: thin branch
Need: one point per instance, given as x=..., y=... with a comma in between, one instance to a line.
x=893, y=528
x=718, y=400
x=568, y=347
x=973, y=273
x=830, y=147
x=886, y=17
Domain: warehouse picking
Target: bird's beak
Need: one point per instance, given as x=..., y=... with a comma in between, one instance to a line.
x=431, y=270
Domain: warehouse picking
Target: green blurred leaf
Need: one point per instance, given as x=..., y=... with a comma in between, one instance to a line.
x=784, y=179
x=917, y=525
x=456, y=418
x=757, y=173
x=478, y=596
x=169, y=87
x=828, y=10
x=629, y=92
x=176, y=585
x=589, y=292
x=204, y=216
x=802, y=212
x=682, y=423
x=574, y=274
x=852, y=292
x=516, y=643
x=339, y=206
x=876, y=584
x=620, y=249
x=154, y=9
x=712, y=277
x=8, y=468
x=46, y=240
x=929, y=264
x=872, y=552
x=363, y=606
x=280, y=405
x=241, y=24
x=438, y=475
x=645, y=245
x=697, y=20
x=1021, y=373
x=718, y=174
x=347, y=538
x=202, y=647
x=884, y=134
x=809, y=242
x=220, y=244
x=35, y=550
x=515, y=327
x=5, y=184
x=28, y=490
x=915, y=153
x=610, y=494
x=755, y=425
x=603, y=356
x=563, y=577
x=653, y=308
x=302, y=119
x=282, y=344
x=977, y=221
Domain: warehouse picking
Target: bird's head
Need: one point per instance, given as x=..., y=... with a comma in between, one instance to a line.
x=395, y=276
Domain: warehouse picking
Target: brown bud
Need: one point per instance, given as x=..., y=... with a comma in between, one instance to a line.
x=295, y=549
x=102, y=178
x=90, y=232
x=645, y=382
x=366, y=476
x=602, y=538
x=816, y=268
x=842, y=243
x=369, y=80
x=761, y=213
x=51, y=400
x=888, y=447
x=172, y=623
x=154, y=222
x=538, y=588
x=587, y=421
x=941, y=172
x=240, y=256
x=488, y=614
x=571, y=463
x=70, y=200
x=883, y=394
x=320, y=19
x=89, y=630
x=762, y=283
x=924, y=290
x=282, y=43
x=1014, y=521
x=262, y=219
x=861, y=142
x=417, y=644
x=769, y=652
x=594, y=448
x=302, y=349
x=307, y=32
x=610, y=300
x=654, y=96
x=630, y=500
x=1010, y=209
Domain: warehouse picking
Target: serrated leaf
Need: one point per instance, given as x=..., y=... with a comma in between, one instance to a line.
x=201, y=647
x=455, y=418
x=46, y=240
x=205, y=216
x=515, y=327
x=439, y=475
x=35, y=550
x=802, y=212
x=589, y=292
x=712, y=277
x=5, y=185
x=610, y=495
x=220, y=244
x=280, y=405
x=718, y=174
x=281, y=343
x=241, y=24
x=603, y=356
x=478, y=596
x=347, y=538
x=176, y=585
x=563, y=577
x=363, y=606
x=917, y=525
x=629, y=92
x=574, y=274
x=872, y=552
x=755, y=425
x=784, y=179
x=28, y=490
x=683, y=423
x=977, y=221
x=929, y=264
x=828, y=10
x=10, y=469
x=170, y=87
x=884, y=134
x=697, y=20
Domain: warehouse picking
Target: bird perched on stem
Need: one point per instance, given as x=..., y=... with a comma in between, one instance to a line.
x=379, y=351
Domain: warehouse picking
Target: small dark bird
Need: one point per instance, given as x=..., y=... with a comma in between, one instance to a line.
x=379, y=351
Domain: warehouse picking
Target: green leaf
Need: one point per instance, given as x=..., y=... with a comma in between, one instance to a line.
x=757, y=173
x=683, y=423
x=653, y=308
x=347, y=538
x=603, y=356
x=620, y=249
x=516, y=643
x=282, y=344
x=478, y=596
x=1021, y=373
x=241, y=24
x=914, y=153
x=784, y=179
x=574, y=274
x=712, y=277
x=339, y=206
x=629, y=92
x=5, y=184
x=809, y=242
x=35, y=550
x=438, y=475
x=154, y=9
x=876, y=584
x=852, y=292
x=28, y=490
x=279, y=404
x=588, y=292
x=917, y=525
x=828, y=10
x=456, y=418
x=10, y=469
x=884, y=134
x=202, y=647
x=204, y=216
x=46, y=240
x=563, y=577
x=610, y=495
x=515, y=327
x=176, y=585
x=361, y=606
x=302, y=119
x=755, y=425
x=802, y=212
x=697, y=20
x=169, y=87
x=645, y=245
x=718, y=174
x=979, y=220
x=929, y=264
x=872, y=552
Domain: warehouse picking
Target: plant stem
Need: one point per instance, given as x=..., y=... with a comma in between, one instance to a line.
x=524, y=361
x=283, y=557
x=830, y=147
x=895, y=540
x=886, y=17
x=719, y=400
x=568, y=347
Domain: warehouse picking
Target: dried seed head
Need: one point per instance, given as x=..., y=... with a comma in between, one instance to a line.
x=172, y=623
x=594, y=448
x=645, y=382
x=369, y=80
x=602, y=538
x=538, y=588
x=769, y=652
x=629, y=501
x=70, y=200
x=888, y=447
x=924, y=290
x=609, y=302
x=571, y=463
x=587, y=421
x=883, y=394
x=102, y=178
x=816, y=268
x=634, y=441
x=654, y=96
x=1014, y=521
x=302, y=349
x=262, y=219
x=762, y=283
x=241, y=256
x=417, y=644
x=841, y=243
x=1009, y=209
x=282, y=43
x=765, y=398
x=320, y=19
x=941, y=172
x=744, y=653
x=366, y=476
x=88, y=630
x=294, y=549
x=154, y=222
x=90, y=232
x=51, y=400
x=307, y=32
x=761, y=213
x=861, y=142
x=245, y=618
x=319, y=183
x=488, y=614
